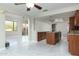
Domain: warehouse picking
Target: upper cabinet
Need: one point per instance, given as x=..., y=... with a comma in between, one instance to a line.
x=76, y=20
x=71, y=23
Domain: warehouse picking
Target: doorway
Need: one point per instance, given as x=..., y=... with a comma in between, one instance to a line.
x=25, y=33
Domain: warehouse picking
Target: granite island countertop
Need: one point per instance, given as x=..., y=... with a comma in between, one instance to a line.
x=73, y=33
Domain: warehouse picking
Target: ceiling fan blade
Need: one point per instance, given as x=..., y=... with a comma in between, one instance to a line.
x=38, y=7
x=28, y=9
x=19, y=3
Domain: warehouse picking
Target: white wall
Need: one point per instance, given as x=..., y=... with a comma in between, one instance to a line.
x=63, y=27
x=19, y=32
x=31, y=31
x=42, y=26
x=12, y=34
x=2, y=29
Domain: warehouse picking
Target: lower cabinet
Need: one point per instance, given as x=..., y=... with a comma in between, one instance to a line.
x=50, y=38
x=73, y=44
x=53, y=37
x=41, y=36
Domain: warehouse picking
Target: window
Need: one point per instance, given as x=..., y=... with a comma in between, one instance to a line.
x=10, y=25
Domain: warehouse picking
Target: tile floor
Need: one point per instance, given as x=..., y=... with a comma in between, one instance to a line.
x=37, y=49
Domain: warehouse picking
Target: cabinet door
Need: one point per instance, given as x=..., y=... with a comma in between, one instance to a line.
x=76, y=18
x=50, y=38
x=77, y=44
x=71, y=23
x=39, y=36
x=71, y=43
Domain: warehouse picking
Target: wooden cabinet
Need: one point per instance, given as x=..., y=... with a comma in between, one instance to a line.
x=76, y=22
x=71, y=23
x=41, y=36
x=53, y=37
x=50, y=36
x=73, y=44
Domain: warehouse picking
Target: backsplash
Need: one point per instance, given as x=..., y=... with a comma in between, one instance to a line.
x=76, y=28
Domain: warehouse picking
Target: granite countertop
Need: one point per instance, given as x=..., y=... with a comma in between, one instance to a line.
x=49, y=31
x=74, y=33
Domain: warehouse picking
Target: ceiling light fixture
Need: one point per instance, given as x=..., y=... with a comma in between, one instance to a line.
x=30, y=5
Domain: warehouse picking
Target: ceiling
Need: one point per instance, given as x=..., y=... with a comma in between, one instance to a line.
x=50, y=19
x=21, y=9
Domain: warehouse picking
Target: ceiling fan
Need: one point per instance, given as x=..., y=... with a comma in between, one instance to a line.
x=30, y=5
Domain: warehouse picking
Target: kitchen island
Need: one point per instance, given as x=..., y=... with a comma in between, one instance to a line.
x=53, y=37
